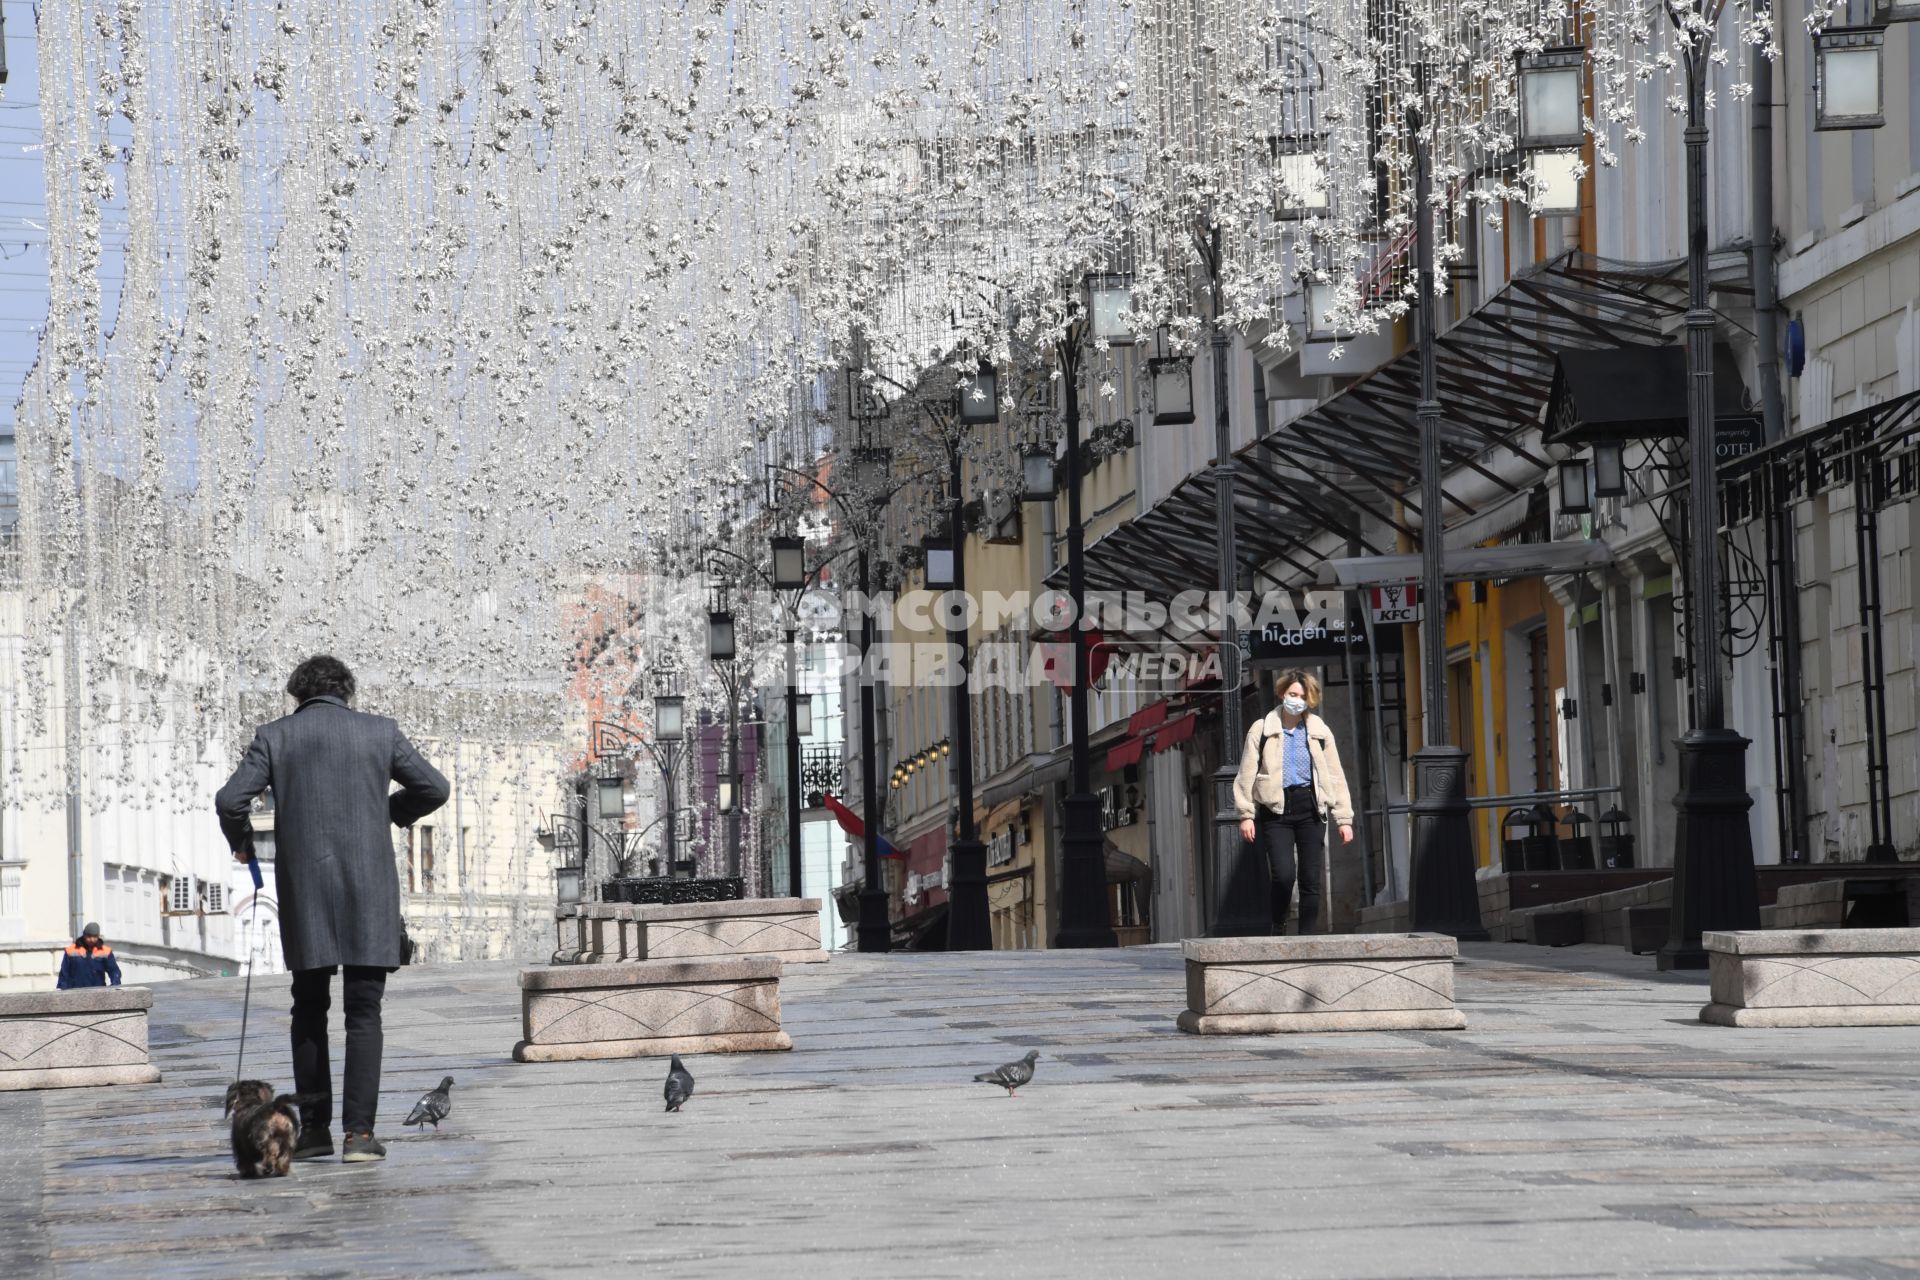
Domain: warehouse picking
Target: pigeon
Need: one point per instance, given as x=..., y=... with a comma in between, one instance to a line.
x=679, y=1084
x=1012, y=1075
x=433, y=1106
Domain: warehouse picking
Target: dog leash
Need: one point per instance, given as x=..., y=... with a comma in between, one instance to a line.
x=246, y=1001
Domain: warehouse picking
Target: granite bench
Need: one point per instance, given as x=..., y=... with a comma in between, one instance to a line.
x=650, y=1008
x=566, y=933
x=1814, y=978
x=600, y=932
x=65, y=1039
x=785, y=927
x=1331, y=982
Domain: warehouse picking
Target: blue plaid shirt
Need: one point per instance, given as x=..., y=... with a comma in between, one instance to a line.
x=1296, y=763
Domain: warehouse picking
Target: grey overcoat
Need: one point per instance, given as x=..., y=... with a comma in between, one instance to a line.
x=329, y=767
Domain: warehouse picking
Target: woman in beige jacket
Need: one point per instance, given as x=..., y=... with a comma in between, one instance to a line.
x=1290, y=783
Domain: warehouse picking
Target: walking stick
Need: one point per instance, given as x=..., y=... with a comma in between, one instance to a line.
x=246, y=1001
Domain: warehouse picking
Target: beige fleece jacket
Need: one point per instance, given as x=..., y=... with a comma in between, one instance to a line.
x=1258, y=782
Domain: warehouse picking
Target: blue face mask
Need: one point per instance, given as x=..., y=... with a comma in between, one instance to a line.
x=1293, y=706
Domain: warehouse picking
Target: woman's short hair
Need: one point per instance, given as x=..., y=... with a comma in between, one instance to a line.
x=321, y=676
x=1306, y=680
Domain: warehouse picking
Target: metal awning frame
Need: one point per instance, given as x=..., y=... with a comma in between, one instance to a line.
x=1495, y=368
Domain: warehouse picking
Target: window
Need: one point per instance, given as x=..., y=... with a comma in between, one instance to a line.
x=426, y=859
x=1540, y=710
x=181, y=900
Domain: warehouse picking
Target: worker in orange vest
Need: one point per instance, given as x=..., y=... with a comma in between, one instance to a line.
x=88, y=962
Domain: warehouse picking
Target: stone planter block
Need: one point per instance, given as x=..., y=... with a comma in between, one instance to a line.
x=65, y=1039
x=602, y=945
x=650, y=1008
x=629, y=930
x=1332, y=982
x=566, y=934
x=1814, y=978
x=785, y=927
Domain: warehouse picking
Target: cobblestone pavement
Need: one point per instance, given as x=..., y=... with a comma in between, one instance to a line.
x=1585, y=1124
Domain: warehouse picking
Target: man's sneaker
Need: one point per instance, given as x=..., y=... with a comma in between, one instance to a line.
x=314, y=1144
x=362, y=1147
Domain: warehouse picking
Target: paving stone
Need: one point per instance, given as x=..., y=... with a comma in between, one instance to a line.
x=1594, y=1128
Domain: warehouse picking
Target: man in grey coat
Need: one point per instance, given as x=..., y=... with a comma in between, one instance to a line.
x=329, y=767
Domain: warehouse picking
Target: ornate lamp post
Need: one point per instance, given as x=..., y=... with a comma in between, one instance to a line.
x=669, y=728
x=969, y=919
x=1443, y=895
x=1713, y=884
x=1084, y=918
x=790, y=578
x=722, y=655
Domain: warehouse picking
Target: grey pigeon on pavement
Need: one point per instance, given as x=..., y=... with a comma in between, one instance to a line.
x=679, y=1084
x=433, y=1106
x=1012, y=1075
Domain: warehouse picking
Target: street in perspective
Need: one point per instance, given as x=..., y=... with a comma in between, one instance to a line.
x=960, y=638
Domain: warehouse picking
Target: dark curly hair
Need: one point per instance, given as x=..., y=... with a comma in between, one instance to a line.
x=321, y=676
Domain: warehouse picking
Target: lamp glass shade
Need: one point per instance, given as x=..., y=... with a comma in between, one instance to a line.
x=1036, y=473
x=789, y=564
x=1609, y=470
x=726, y=794
x=1172, y=390
x=1552, y=95
x=1573, y=487
x=1108, y=298
x=980, y=399
x=1556, y=184
x=566, y=883
x=612, y=795
x=939, y=564
x=803, y=715
x=1320, y=300
x=668, y=717
x=1849, y=95
x=720, y=636
x=1303, y=184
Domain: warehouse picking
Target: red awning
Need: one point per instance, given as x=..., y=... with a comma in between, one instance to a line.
x=1176, y=732
x=1124, y=753
x=1148, y=718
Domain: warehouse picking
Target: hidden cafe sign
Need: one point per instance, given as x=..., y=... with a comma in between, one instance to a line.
x=1320, y=626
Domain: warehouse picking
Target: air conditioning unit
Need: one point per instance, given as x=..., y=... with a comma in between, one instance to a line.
x=181, y=899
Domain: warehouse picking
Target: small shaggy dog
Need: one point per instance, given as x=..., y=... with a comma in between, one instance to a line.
x=265, y=1128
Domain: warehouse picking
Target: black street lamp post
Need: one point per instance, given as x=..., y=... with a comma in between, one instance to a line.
x=1240, y=906
x=722, y=657
x=969, y=918
x=1443, y=897
x=664, y=746
x=875, y=931
x=1084, y=918
x=1713, y=878
x=790, y=577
